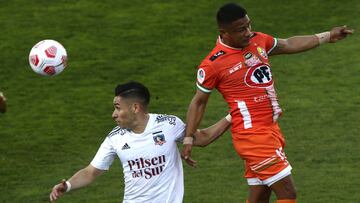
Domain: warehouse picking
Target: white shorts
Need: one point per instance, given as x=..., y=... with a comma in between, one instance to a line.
x=282, y=174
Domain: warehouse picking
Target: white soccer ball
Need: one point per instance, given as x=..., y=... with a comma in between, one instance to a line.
x=48, y=57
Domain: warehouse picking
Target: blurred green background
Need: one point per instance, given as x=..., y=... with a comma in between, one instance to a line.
x=54, y=126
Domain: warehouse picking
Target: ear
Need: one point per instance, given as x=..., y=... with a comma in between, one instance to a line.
x=224, y=34
x=136, y=107
x=222, y=30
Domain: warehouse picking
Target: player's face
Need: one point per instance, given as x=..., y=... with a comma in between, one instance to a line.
x=123, y=114
x=238, y=33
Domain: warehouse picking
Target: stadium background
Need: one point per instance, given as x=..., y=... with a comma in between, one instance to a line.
x=54, y=126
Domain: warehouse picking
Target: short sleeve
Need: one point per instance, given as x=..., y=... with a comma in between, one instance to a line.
x=206, y=78
x=179, y=129
x=104, y=156
x=270, y=43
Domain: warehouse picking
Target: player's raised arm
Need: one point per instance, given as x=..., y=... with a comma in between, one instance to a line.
x=298, y=44
x=204, y=137
x=193, y=118
x=80, y=179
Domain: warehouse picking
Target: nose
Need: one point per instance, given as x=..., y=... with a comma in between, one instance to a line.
x=113, y=115
x=248, y=32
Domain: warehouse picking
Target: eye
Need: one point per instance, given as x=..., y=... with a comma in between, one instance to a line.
x=241, y=29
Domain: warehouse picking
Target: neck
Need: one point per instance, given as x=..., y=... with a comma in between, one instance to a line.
x=224, y=41
x=141, y=123
x=228, y=43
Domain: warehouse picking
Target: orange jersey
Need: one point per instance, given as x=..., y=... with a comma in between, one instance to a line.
x=243, y=77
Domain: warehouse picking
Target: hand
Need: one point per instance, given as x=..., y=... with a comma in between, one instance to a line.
x=339, y=33
x=186, y=155
x=2, y=103
x=58, y=190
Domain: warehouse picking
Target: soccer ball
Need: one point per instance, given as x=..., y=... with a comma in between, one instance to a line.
x=48, y=57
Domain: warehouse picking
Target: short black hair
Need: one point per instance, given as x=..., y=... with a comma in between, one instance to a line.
x=229, y=13
x=134, y=90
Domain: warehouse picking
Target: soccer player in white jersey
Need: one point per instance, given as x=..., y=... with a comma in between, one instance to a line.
x=146, y=146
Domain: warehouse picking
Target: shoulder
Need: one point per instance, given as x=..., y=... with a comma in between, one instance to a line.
x=170, y=125
x=117, y=131
x=267, y=41
x=260, y=35
x=166, y=119
x=211, y=61
x=216, y=53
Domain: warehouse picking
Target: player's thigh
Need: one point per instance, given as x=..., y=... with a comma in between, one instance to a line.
x=284, y=188
x=259, y=194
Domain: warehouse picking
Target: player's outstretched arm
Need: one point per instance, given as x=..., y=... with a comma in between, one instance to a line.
x=193, y=117
x=2, y=103
x=80, y=179
x=204, y=137
x=298, y=44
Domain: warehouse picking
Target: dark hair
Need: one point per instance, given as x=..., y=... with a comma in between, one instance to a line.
x=134, y=90
x=229, y=13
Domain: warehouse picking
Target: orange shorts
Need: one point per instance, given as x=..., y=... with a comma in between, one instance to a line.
x=262, y=150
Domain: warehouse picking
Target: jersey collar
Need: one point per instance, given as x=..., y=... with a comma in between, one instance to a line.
x=219, y=40
x=225, y=45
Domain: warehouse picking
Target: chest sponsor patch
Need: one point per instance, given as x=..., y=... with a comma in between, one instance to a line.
x=147, y=167
x=259, y=76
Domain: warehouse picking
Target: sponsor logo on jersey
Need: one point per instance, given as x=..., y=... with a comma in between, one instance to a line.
x=159, y=138
x=259, y=76
x=200, y=75
x=262, y=52
x=216, y=55
x=164, y=118
x=261, y=98
x=248, y=55
x=252, y=61
x=126, y=146
x=235, y=68
x=147, y=168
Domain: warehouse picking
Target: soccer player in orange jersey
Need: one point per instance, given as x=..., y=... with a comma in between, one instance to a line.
x=239, y=68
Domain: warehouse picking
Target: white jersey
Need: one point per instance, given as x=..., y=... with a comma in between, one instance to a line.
x=151, y=161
